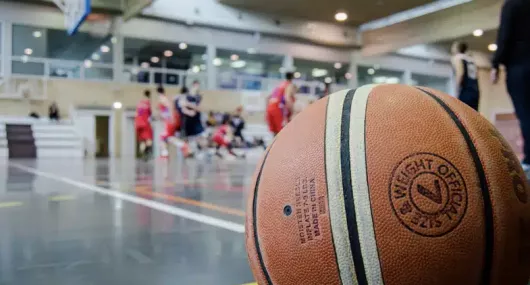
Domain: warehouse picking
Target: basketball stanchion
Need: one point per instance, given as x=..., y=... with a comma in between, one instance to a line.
x=75, y=12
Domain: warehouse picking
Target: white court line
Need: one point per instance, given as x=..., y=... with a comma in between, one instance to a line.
x=227, y=225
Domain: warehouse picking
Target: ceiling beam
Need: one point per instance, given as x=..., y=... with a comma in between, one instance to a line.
x=445, y=25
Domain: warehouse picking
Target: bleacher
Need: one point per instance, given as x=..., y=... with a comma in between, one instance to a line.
x=22, y=137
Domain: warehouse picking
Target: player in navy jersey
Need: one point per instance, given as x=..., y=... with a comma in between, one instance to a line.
x=466, y=75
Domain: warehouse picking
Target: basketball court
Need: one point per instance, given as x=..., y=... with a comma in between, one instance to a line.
x=124, y=222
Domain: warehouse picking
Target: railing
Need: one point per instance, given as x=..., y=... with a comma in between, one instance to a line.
x=58, y=68
x=45, y=68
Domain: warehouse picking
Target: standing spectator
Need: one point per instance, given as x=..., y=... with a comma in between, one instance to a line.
x=238, y=125
x=466, y=75
x=54, y=112
x=513, y=50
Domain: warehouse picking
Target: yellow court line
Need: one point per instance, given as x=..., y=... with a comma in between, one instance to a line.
x=177, y=199
x=62, y=198
x=10, y=204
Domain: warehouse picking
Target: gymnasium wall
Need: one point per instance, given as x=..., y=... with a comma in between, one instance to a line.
x=67, y=93
x=75, y=93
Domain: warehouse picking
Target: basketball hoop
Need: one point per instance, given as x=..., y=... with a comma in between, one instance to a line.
x=75, y=12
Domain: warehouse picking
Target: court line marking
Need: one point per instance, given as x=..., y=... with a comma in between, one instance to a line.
x=10, y=204
x=201, y=218
x=61, y=198
x=179, y=199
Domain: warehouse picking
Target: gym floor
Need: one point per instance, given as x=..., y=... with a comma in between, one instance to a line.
x=123, y=222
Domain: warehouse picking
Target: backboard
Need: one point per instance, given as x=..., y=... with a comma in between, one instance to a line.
x=75, y=13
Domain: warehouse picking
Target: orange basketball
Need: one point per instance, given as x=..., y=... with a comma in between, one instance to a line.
x=389, y=184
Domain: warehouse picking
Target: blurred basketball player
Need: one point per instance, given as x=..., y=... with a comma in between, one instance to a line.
x=281, y=104
x=192, y=126
x=223, y=137
x=466, y=75
x=166, y=116
x=238, y=124
x=144, y=132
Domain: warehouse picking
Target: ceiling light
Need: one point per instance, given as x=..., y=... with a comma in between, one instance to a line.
x=217, y=61
x=371, y=71
x=492, y=47
x=114, y=40
x=341, y=16
x=234, y=57
x=96, y=56
x=238, y=64
x=37, y=34
x=196, y=69
x=145, y=65
x=88, y=63
x=155, y=59
x=348, y=75
x=183, y=46
x=338, y=65
x=478, y=33
x=105, y=49
x=117, y=105
x=297, y=75
x=28, y=51
x=328, y=80
x=168, y=53
x=316, y=72
x=251, y=51
x=203, y=66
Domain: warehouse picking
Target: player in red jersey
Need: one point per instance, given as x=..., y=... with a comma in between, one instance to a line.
x=223, y=137
x=165, y=108
x=144, y=132
x=281, y=104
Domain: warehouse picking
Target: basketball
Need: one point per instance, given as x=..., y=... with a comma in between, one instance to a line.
x=389, y=184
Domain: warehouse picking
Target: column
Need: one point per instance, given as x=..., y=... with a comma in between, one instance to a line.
x=407, y=77
x=7, y=46
x=288, y=63
x=117, y=51
x=353, y=81
x=211, y=54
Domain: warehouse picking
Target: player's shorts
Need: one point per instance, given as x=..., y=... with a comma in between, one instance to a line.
x=144, y=131
x=169, y=130
x=221, y=141
x=275, y=118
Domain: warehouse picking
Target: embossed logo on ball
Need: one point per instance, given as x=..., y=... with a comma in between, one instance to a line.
x=428, y=194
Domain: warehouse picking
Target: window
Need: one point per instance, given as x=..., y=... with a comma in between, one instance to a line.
x=244, y=70
x=163, y=62
x=332, y=72
x=435, y=82
x=375, y=74
x=40, y=51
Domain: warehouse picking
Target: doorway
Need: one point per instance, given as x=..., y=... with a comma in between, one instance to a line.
x=102, y=136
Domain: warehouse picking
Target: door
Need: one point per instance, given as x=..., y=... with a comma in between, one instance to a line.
x=102, y=136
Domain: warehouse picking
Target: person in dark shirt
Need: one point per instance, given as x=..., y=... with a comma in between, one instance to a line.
x=54, y=112
x=238, y=124
x=513, y=51
x=466, y=75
